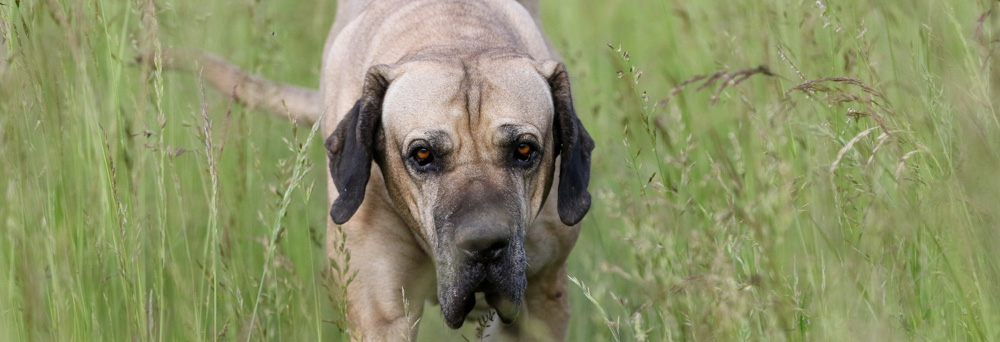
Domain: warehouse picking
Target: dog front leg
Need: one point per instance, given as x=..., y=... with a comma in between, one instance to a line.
x=386, y=267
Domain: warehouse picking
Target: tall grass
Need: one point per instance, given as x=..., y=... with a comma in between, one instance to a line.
x=768, y=170
x=838, y=199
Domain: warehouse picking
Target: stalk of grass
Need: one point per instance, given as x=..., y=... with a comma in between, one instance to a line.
x=211, y=248
x=120, y=240
x=302, y=166
x=337, y=278
x=406, y=312
x=612, y=325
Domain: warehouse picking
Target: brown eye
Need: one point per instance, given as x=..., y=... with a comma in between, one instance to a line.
x=524, y=152
x=523, y=149
x=423, y=156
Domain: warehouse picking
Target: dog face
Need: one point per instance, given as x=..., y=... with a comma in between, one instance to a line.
x=467, y=150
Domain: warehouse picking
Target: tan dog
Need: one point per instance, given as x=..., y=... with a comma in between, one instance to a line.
x=467, y=117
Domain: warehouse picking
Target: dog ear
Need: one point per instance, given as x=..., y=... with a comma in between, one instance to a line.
x=574, y=145
x=352, y=145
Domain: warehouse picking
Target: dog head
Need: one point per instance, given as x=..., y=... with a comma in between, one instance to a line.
x=468, y=151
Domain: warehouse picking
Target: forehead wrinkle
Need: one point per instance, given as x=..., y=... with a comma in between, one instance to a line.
x=473, y=87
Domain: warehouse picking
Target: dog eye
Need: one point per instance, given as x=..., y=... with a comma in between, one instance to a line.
x=422, y=156
x=524, y=155
x=523, y=152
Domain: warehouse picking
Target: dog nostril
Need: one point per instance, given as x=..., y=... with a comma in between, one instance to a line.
x=496, y=249
x=485, y=248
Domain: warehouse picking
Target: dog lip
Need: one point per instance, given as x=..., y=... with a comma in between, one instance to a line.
x=454, y=318
x=506, y=309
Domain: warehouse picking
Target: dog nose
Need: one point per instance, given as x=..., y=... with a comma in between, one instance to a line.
x=483, y=244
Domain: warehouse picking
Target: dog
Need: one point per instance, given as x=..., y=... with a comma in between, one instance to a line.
x=458, y=167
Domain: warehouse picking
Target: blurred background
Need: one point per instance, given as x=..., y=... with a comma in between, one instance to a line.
x=766, y=170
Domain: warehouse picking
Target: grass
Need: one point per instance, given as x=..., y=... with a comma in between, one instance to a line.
x=766, y=170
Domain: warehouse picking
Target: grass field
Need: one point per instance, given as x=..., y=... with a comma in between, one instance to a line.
x=766, y=170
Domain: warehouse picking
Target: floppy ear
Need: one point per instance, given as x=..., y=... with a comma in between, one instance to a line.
x=352, y=145
x=574, y=145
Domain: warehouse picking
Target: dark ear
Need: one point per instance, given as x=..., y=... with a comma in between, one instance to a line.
x=574, y=144
x=352, y=145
